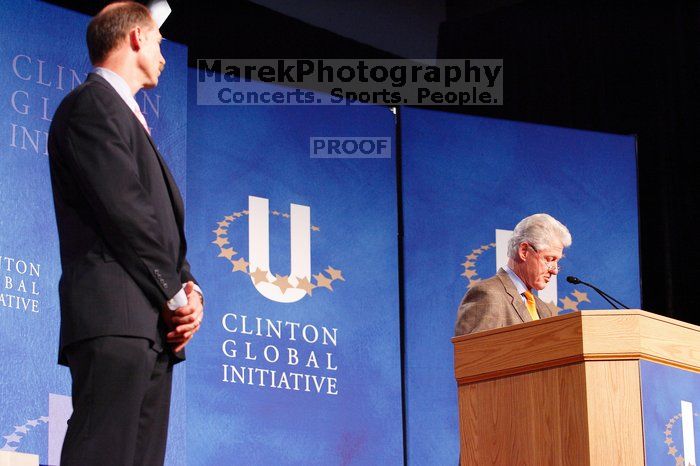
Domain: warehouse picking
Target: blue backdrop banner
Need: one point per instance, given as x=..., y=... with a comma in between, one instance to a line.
x=464, y=179
x=298, y=360
x=292, y=228
x=670, y=405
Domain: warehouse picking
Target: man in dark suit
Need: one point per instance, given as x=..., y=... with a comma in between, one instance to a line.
x=129, y=303
x=507, y=298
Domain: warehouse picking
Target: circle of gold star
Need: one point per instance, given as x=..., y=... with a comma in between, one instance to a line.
x=470, y=273
x=470, y=262
x=226, y=251
x=672, y=450
x=13, y=440
x=578, y=298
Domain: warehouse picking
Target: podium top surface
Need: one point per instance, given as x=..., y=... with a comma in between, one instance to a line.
x=577, y=337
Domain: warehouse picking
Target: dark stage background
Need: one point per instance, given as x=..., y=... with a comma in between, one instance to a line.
x=627, y=67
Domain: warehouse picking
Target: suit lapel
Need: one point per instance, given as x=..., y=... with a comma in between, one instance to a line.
x=175, y=196
x=173, y=191
x=515, y=300
x=545, y=309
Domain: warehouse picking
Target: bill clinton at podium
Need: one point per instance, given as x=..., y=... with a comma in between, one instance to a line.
x=508, y=297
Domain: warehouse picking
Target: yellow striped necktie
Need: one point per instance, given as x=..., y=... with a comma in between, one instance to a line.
x=531, y=306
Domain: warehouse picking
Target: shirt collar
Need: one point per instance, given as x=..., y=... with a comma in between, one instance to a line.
x=519, y=284
x=119, y=85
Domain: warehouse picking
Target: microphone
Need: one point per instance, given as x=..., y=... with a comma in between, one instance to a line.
x=607, y=297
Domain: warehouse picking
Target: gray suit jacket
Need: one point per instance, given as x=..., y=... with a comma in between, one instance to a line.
x=494, y=303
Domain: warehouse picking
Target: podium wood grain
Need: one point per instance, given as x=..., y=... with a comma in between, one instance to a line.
x=564, y=390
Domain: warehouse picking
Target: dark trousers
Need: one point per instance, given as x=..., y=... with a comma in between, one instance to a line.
x=121, y=403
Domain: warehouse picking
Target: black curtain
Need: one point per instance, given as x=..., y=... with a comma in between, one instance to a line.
x=628, y=67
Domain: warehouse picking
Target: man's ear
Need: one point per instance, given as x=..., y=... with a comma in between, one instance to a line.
x=135, y=37
x=522, y=251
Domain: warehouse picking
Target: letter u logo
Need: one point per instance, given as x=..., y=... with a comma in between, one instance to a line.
x=259, y=245
x=688, y=433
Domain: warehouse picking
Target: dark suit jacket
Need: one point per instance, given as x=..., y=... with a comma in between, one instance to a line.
x=494, y=303
x=120, y=219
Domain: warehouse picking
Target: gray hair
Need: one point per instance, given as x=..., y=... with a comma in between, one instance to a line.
x=542, y=231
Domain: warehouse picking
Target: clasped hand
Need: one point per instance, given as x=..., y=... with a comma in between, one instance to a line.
x=185, y=321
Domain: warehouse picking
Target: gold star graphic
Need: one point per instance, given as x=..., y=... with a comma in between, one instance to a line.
x=314, y=228
x=485, y=247
x=245, y=212
x=282, y=282
x=285, y=215
x=476, y=251
x=220, y=241
x=335, y=274
x=667, y=432
x=468, y=264
x=237, y=214
x=672, y=451
x=305, y=285
x=580, y=296
x=275, y=212
x=223, y=224
x=668, y=441
x=259, y=276
x=669, y=425
x=493, y=245
x=323, y=281
x=568, y=303
x=680, y=461
x=228, y=253
x=469, y=273
x=219, y=231
x=229, y=218
x=240, y=265
x=473, y=282
x=472, y=257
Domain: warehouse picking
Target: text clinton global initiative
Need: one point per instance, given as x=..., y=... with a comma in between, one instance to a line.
x=267, y=348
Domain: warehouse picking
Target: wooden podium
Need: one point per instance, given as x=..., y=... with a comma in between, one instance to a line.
x=563, y=390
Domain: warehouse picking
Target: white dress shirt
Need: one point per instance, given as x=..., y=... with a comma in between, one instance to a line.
x=519, y=284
